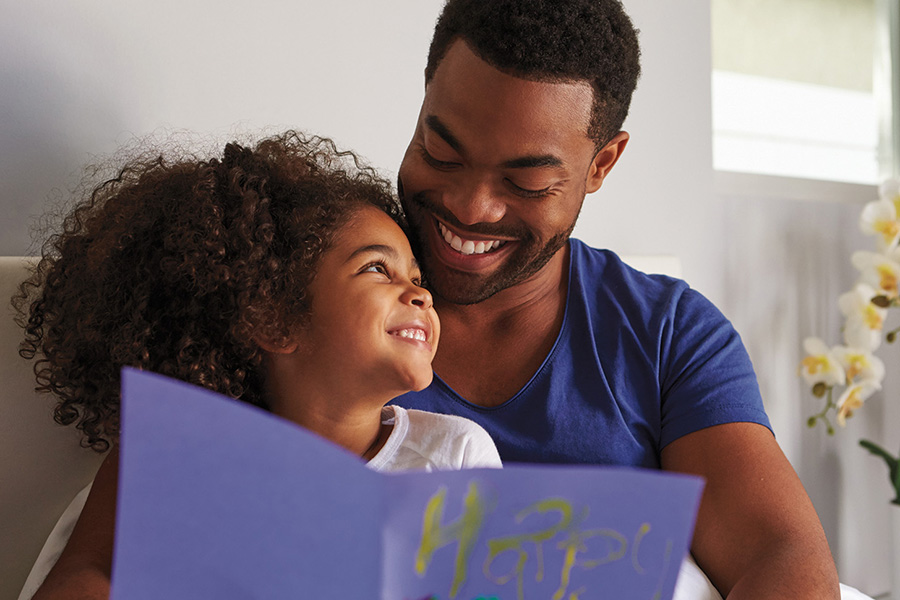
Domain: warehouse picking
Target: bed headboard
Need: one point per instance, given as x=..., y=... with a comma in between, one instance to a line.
x=42, y=465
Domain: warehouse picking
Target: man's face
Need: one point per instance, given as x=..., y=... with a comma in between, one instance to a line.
x=494, y=176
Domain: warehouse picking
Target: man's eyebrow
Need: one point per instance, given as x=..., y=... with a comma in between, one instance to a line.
x=532, y=162
x=524, y=162
x=437, y=126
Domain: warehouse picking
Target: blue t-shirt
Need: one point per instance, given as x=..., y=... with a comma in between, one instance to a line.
x=640, y=361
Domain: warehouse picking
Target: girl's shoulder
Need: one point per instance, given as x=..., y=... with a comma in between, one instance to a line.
x=430, y=441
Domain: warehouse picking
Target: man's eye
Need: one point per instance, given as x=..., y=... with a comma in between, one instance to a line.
x=528, y=193
x=437, y=164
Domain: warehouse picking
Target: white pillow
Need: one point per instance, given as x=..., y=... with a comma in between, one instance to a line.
x=694, y=585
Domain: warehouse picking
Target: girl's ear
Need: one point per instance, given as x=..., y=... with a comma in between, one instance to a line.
x=273, y=345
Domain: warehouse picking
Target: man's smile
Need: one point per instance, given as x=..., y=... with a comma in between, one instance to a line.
x=467, y=246
x=470, y=252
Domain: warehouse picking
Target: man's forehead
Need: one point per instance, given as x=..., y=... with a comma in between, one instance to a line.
x=471, y=105
x=466, y=90
x=462, y=66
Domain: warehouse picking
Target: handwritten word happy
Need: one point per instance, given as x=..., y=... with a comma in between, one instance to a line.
x=570, y=538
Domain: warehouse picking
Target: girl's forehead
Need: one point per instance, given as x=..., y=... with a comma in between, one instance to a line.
x=369, y=226
x=370, y=220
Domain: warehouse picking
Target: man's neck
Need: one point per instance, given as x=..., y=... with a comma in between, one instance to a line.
x=490, y=350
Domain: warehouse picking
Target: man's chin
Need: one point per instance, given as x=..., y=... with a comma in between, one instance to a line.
x=463, y=295
x=457, y=287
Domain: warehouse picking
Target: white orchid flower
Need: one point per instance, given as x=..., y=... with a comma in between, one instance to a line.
x=890, y=190
x=864, y=323
x=853, y=398
x=820, y=364
x=860, y=366
x=879, y=218
x=880, y=271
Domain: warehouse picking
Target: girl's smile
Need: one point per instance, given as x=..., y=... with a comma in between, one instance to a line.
x=370, y=315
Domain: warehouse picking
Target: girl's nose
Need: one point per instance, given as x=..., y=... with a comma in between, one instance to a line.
x=418, y=296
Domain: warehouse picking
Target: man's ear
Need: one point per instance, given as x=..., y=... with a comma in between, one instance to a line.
x=276, y=345
x=604, y=161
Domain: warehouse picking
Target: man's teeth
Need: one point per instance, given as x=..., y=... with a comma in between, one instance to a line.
x=468, y=246
x=416, y=334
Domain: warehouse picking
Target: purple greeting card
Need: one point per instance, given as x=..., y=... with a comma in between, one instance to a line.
x=218, y=499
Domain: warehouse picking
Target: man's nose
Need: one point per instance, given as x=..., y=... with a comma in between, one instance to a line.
x=475, y=203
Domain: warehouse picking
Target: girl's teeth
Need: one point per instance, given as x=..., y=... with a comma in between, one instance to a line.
x=416, y=334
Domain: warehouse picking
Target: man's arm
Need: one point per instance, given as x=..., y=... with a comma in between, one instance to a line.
x=758, y=536
x=84, y=567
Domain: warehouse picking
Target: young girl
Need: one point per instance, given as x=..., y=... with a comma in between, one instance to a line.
x=277, y=274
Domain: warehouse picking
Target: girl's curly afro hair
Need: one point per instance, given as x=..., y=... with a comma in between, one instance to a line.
x=175, y=264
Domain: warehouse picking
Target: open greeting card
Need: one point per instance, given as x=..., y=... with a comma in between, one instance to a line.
x=220, y=500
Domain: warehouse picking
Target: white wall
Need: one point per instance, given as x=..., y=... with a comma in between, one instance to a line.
x=79, y=79
x=659, y=198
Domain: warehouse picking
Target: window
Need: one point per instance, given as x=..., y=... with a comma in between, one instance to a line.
x=793, y=88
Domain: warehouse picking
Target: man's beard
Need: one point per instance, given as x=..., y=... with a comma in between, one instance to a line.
x=459, y=287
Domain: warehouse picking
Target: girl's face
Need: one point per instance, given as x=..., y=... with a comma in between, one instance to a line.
x=372, y=326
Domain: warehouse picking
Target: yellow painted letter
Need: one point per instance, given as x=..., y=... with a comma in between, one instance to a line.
x=464, y=531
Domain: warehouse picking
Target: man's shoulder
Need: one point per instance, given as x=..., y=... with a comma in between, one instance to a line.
x=603, y=287
x=601, y=273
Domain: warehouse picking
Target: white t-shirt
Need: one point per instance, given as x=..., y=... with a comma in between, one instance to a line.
x=425, y=441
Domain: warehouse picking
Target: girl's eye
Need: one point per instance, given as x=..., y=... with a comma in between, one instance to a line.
x=376, y=267
x=441, y=165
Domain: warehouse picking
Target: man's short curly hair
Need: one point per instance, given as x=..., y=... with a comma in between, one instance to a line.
x=551, y=40
x=176, y=263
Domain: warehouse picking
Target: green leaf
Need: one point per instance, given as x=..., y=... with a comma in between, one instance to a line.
x=893, y=464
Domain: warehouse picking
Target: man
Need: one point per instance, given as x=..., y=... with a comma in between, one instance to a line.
x=560, y=351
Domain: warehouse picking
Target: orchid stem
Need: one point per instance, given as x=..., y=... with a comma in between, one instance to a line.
x=829, y=404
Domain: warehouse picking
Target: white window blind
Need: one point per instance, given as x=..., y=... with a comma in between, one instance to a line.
x=793, y=90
